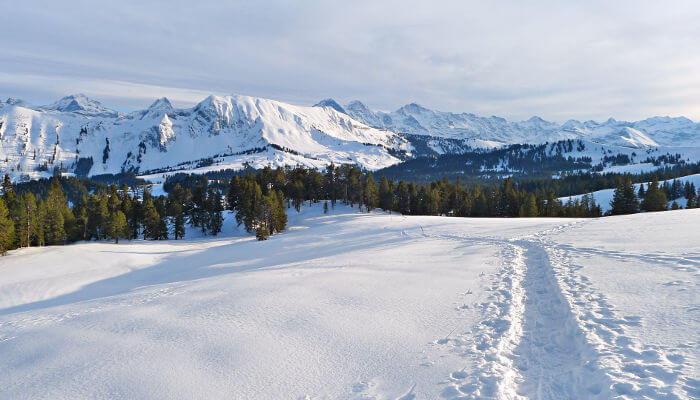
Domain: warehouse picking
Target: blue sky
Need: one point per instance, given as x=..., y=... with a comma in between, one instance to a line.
x=555, y=59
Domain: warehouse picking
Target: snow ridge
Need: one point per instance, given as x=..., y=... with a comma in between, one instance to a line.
x=418, y=120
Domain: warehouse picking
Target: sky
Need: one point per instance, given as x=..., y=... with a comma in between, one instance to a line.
x=555, y=59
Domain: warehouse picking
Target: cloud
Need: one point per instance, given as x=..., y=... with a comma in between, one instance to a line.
x=555, y=59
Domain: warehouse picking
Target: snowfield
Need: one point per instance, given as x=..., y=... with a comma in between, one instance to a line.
x=363, y=306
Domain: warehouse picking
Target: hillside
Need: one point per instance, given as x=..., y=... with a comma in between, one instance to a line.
x=430, y=307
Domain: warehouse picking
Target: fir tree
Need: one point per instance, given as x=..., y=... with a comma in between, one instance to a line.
x=54, y=222
x=7, y=229
x=654, y=198
x=151, y=221
x=117, y=226
x=215, y=208
x=386, y=197
x=261, y=233
x=370, y=192
x=529, y=209
x=624, y=200
x=179, y=226
x=30, y=229
x=281, y=213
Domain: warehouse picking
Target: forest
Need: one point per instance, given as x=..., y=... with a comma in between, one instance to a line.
x=62, y=210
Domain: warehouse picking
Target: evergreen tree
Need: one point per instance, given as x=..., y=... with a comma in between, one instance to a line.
x=624, y=198
x=179, y=226
x=215, y=209
x=7, y=228
x=54, y=223
x=151, y=221
x=261, y=233
x=7, y=187
x=281, y=213
x=30, y=228
x=370, y=192
x=529, y=209
x=80, y=211
x=386, y=197
x=117, y=226
x=654, y=198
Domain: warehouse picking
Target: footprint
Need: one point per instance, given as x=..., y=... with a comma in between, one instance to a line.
x=458, y=375
x=675, y=358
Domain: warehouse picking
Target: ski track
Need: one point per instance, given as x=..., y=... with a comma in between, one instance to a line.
x=547, y=333
x=637, y=370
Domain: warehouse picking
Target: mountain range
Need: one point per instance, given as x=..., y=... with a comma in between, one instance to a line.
x=79, y=135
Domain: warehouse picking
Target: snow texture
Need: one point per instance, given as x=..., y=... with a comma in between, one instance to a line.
x=363, y=306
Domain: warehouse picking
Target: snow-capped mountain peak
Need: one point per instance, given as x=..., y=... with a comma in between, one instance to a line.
x=77, y=134
x=330, y=103
x=162, y=104
x=157, y=109
x=414, y=119
x=81, y=104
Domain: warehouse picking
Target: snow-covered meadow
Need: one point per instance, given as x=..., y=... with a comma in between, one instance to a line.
x=361, y=306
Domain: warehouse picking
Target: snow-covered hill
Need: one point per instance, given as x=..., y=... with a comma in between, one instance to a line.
x=489, y=131
x=357, y=306
x=80, y=135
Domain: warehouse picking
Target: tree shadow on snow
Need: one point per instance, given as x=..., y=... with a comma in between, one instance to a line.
x=238, y=256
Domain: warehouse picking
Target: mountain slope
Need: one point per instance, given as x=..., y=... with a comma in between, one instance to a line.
x=71, y=132
x=415, y=119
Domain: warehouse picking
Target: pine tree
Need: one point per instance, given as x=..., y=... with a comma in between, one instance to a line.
x=281, y=213
x=654, y=198
x=179, y=226
x=151, y=221
x=30, y=229
x=7, y=228
x=386, y=197
x=98, y=216
x=529, y=209
x=7, y=186
x=54, y=222
x=216, y=208
x=117, y=226
x=624, y=198
x=81, y=217
x=261, y=233
x=370, y=192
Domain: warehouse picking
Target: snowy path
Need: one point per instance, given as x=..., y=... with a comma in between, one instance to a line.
x=548, y=333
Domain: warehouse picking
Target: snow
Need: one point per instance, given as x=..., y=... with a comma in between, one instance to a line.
x=353, y=305
x=160, y=137
x=605, y=196
x=240, y=129
x=418, y=120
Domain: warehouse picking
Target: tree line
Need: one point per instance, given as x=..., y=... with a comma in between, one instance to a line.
x=40, y=212
x=652, y=197
x=111, y=213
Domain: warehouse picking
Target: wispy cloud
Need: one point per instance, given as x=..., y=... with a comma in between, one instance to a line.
x=555, y=59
